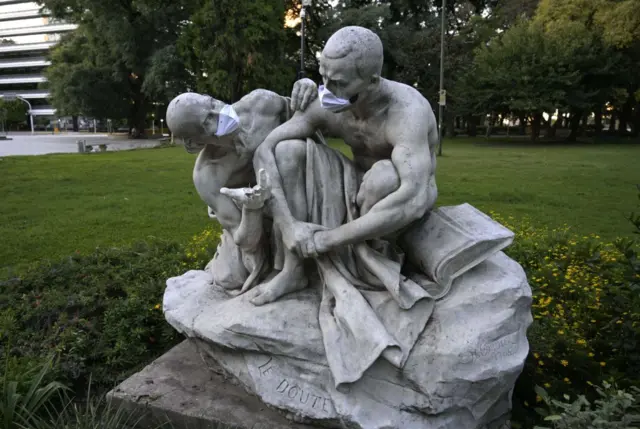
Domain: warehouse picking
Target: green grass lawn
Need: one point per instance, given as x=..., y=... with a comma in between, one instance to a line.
x=53, y=205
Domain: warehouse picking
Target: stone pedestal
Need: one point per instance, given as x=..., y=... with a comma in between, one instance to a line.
x=180, y=388
x=459, y=375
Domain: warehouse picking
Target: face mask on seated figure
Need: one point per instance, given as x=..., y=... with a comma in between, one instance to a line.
x=228, y=121
x=330, y=102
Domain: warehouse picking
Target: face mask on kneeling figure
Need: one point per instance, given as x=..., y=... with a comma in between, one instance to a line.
x=228, y=121
x=330, y=102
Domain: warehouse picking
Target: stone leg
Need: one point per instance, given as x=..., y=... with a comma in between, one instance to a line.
x=291, y=160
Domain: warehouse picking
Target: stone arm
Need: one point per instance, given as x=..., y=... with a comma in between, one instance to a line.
x=208, y=177
x=411, y=158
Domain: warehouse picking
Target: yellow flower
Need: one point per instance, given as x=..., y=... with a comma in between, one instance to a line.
x=564, y=362
x=541, y=363
x=157, y=307
x=536, y=355
x=581, y=341
x=560, y=332
x=591, y=355
x=547, y=385
x=603, y=364
x=566, y=380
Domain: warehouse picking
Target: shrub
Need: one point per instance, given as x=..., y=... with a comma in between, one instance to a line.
x=101, y=313
x=586, y=312
x=615, y=409
x=202, y=247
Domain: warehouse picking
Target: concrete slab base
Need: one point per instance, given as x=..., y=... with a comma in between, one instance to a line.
x=181, y=388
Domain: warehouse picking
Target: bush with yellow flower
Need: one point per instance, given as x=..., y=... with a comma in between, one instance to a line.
x=586, y=311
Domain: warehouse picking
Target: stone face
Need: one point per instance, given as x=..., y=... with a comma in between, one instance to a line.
x=459, y=375
x=180, y=387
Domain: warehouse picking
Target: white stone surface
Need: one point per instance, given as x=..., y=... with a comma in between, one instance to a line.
x=459, y=375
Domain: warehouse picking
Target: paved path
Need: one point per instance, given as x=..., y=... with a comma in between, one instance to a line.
x=42, y=144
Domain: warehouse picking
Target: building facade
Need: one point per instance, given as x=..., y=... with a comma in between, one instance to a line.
x=27, y=33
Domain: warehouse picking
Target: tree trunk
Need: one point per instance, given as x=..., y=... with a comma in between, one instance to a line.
x=635, y=129
x=522, y=118
x=490, y=125
x=74, y=120
x=238, y=87
x=472, y=129
x=598, y=121
x=584, y=124
x=450, y=125
x=552, y=127
x=535, y=126
x=138, y=111
x=612, y=123
x=458, y=122
x=574, y=122
x=625, y=117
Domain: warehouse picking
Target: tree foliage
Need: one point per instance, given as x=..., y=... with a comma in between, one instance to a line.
x=234, y=47
x=101, y=69
x=504, y=57
x=13, y=112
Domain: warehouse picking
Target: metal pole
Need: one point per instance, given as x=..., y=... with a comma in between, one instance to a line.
x=303, y=14
x=441, y=105
x=30, y=113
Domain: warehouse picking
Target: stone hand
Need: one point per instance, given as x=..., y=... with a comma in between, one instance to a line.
x=304, y=92
x=251, y=198
x=298, y=237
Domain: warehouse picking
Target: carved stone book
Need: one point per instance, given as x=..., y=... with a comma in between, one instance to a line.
x=451, y=241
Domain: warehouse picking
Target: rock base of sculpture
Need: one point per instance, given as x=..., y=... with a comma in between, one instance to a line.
x=459, y=375
x=178, y=388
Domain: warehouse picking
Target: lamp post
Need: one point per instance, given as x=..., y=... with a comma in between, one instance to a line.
x=443, y=95
x=12, y=96
x=161, y=127
x=303, y=15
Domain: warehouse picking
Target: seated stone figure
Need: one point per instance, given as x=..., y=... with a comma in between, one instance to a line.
x=381, y=311
x=346, y=214
x=225, y=138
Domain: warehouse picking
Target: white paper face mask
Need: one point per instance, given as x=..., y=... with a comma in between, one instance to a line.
x=330, y=101
x=228, y=121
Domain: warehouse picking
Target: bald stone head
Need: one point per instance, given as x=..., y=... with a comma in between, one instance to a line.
x=351, y=62
x=194, y=118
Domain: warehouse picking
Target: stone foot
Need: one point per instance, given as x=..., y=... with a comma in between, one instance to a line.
x=286, y=281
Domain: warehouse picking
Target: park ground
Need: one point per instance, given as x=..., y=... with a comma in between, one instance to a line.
x=54, y=205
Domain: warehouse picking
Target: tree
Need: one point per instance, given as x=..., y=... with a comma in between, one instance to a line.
x=116, y=50
x=522, y=70
x=234, y=47
x=82, y=82
x=609, y=58
x=620, y=22
x=15, y=111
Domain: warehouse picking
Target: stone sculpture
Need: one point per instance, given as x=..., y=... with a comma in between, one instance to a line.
x=339, y=293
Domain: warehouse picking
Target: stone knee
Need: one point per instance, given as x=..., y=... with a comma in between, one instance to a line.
x=381, y=180
x=291, y=160
x=290, y=156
